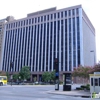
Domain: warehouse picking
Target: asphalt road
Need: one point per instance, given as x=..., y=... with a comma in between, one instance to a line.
x=35, y=92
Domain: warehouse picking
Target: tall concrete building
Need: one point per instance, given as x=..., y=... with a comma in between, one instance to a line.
x=2, y=36
x=2, y=29
x=34, y=41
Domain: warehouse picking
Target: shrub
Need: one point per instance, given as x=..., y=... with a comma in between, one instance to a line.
x=79, y=88
x=83, y=86
x=88, y=85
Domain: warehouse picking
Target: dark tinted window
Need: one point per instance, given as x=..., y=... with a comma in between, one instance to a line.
x=91, y=81
x=73, y=11
x=77, y=11
x=54, y=15
x=41, y=18
x=38, y=19
x=61, y=14
x=58, y=14
x=32, y=20
x=69, y=12
x=29, y=21
x=99, y=81
x=51, y=16
x=48, y=17
x=96, y=82
x=65, y=13
x=35, y=20
x=44, y=18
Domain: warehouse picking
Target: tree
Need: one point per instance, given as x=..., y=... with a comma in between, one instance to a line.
x=25, y=73
x=46, y=76
x=8, y=76
x=53, y=75
x=81, y=71
x=15, y=76
x=96, y=68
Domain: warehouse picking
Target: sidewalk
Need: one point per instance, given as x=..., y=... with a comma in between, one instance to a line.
x=74, y=93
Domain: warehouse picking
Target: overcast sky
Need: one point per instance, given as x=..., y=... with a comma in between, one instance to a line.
x=20, y=9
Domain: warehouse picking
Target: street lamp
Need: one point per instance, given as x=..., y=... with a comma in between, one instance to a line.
x=11, y=66
x=94, y=64
x=93, y=55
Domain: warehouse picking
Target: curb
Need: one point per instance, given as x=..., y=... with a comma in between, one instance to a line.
x=83, y=96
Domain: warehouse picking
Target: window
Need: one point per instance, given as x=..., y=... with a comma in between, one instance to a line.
x=16, y=24
x=58, y=14
x=41, y=18
x=32, y=20
x=35, y=20
x=99, y=81
x=47, y=17
x=69, y=13
x=73, y=11
x=9, y=25
x=29, y=21
x=21, y=23
x=38, y=19
x=61, y=14
x=96, y=82
x=51, y=16
x=65, y=13
x=24, y=22
x=54, y=15
x=77, y=11
x=44, y=18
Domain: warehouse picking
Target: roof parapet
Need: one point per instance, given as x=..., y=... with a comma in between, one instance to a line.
x=41, y=12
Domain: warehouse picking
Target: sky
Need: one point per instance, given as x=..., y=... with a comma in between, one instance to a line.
x=20, y=8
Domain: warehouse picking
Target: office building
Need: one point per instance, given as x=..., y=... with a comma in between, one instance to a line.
x=34, y=41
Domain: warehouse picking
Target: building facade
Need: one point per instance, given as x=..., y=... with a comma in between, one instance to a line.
x=2, y=29
x=34, y=41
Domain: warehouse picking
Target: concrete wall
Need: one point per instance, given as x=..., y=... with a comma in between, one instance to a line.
x=88, y=44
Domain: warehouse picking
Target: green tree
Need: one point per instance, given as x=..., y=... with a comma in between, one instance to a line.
x=52, y=74
x=25, y=73
x=15, y=76
x=46, y=76
x=8, y=76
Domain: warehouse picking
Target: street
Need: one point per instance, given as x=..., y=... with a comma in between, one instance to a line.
x=33, y=92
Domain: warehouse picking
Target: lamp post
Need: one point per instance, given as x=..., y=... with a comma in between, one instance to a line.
x=93, y=55
x=11, y=66
x=94, y=64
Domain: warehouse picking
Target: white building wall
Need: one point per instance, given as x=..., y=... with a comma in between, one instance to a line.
x=88, y=45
